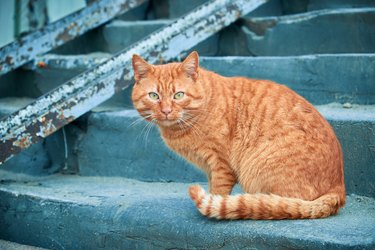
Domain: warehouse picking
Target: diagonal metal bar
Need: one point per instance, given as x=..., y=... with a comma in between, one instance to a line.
x=57, y=33
x=74, y=98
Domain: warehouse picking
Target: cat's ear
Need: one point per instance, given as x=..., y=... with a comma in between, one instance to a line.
x=141, y=67
x=190, y=65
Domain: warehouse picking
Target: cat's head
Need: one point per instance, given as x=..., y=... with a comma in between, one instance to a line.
x=169, y=94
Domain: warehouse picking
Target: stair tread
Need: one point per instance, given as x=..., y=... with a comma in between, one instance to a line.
x=8, y=245
x=162, y=215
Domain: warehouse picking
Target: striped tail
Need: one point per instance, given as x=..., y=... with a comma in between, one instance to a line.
x=263, y=206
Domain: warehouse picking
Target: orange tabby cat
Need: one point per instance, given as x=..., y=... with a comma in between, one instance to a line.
x=257, y=133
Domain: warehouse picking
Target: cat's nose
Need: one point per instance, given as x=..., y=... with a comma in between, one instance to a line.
x=166, y=111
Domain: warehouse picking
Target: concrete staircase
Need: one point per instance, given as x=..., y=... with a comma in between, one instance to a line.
x=108, y=182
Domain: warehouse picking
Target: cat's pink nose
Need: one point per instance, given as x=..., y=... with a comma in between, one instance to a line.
x=166, y=111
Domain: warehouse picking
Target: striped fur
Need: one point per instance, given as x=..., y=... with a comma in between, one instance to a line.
x=262, y=206
x=257, y=133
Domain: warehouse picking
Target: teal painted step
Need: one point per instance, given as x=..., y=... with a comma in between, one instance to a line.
x=171, y=9
x=176, y=8
x=121, y=34
x=72, y=212
x=338, y=4
x=137, y=151
x=7, y=245
x=315, y=77
x=317, y=32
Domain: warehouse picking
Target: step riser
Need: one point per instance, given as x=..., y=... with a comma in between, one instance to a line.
x=64, y=230
x=314, y=77
x=312, y=33
x=119, y=35
x=135, y=152
x=357, y=140
x=176, y=8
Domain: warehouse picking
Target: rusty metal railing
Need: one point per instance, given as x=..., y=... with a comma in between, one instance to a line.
x=74, y=98
x=57, y=33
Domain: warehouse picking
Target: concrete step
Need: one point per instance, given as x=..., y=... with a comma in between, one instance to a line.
x=172, y=9
x=337, y=4
x=8, y=245
x=121, y=34
x=137, y=151
x=176, y=8
x=317, y=32
x=315, y=76
x=71, y=212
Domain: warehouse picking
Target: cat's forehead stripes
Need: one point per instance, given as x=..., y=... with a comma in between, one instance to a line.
x=166, y=76
x=166, y=70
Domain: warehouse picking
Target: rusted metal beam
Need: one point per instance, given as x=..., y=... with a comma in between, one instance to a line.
x=57, y=33
x=76, y=97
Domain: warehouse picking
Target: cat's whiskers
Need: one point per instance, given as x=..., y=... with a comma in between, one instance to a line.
x=192, y=118
x=181, y=126
x=196, y=113
x=192, y=126
x=140, y=134
x=145, y=130
x=138, y=120
x=150, y=126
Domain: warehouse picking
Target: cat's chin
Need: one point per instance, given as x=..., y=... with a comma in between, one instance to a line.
x=167, y=123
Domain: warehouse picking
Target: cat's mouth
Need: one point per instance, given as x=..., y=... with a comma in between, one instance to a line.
x=167, y=123
x=164, y=121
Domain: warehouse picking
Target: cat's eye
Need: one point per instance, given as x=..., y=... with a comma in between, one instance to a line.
x=153, y=96
x=179, y=95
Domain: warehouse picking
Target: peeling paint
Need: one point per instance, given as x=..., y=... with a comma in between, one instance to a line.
x=89, y=89
x=24, y=141
x=9, y=60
